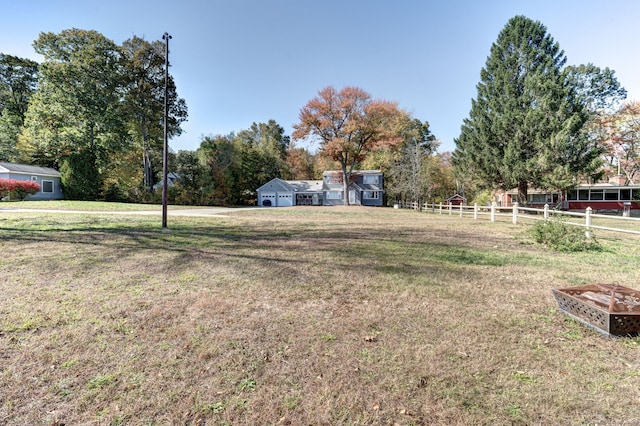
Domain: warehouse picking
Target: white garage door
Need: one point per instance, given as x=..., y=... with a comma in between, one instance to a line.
x=267, y=199
x=285, y=199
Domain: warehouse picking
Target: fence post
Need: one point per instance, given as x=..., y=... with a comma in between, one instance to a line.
x=515, y=213
x=588, y=223
x=493, y=211
x=460, y=209
x=546, y=211
x=450, y=209
x=440, y=208
x=475, y=211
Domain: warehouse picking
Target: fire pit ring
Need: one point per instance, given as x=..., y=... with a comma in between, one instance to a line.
x=611, y=309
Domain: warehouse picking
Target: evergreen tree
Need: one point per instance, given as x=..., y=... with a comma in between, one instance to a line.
x=526, y=124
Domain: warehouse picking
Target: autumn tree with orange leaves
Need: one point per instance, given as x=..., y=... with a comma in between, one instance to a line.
x=620, y=136
x=349, y=124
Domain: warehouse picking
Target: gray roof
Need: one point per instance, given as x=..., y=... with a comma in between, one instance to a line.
x=28, y=170
x=354, y=172
x=306, y=185
x=276, y=184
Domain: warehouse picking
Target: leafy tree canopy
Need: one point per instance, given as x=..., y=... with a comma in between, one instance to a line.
x=349, y=124
x=18, y=82
x=100, y=106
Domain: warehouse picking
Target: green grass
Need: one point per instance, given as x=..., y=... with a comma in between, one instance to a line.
x=303, y=316
x=78, y=205
x=90, y=206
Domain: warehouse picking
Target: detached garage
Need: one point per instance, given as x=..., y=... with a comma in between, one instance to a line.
x=276, y=193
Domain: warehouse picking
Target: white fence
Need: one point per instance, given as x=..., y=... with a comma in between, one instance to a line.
x=588, y=219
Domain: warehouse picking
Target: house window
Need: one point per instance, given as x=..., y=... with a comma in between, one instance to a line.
x=596, y=194
x=47, y=186
x=333, y=178
x=611, y=194
x=583, y=194
x=538, y=198
x=370, y=180
x=34, y=178
x=572, y=195
x=370, y=195
x=334, y=195
x=625, y=194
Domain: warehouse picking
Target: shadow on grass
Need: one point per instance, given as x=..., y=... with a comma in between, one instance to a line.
x=344, y=246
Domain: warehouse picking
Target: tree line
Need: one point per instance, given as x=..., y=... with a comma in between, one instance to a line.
x=228, y=169
x=94, y=110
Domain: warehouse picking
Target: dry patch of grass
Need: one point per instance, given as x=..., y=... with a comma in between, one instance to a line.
x=303, y=316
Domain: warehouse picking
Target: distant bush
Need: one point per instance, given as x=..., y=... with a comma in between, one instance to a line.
x=482, y=199
x=562, y=237
x=18, y=189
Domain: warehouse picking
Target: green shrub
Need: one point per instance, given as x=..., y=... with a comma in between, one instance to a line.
x=80, y=176
x=482, y=199
x=562, y=237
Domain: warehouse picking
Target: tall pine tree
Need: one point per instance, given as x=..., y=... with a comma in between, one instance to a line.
x=525, y=125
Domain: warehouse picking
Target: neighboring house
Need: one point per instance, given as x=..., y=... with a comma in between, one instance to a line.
x=612, y=196
x=47, y=178
x=366, y=189
x=171, y=181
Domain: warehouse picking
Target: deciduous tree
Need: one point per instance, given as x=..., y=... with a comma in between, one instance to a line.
x=191, y=182
x=620, y=135
x=144, y=102
x=18, y=82
x=75, y=114
x=265, y=145
x=408, y=175
x=349, y=124
x=302, y=164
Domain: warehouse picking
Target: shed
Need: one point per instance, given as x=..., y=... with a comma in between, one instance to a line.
x=455, y=200
x=47, y=177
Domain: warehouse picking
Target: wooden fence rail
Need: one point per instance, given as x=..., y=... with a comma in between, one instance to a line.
x=588, y=219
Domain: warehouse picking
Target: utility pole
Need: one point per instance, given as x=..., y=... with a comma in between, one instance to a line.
x=165, y=154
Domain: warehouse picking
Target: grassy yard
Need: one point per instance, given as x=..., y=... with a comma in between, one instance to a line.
x=79, y=205
x=303, y=316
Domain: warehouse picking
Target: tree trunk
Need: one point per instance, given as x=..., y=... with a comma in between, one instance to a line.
x=146, y=156
x=345, y=185
x=523, y=187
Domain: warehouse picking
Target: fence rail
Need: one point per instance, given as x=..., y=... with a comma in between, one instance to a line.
x=516, y=213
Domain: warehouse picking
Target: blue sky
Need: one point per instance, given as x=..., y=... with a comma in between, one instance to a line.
x=242, y=61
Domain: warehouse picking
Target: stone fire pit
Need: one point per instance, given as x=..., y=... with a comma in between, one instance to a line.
x=611, y=309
